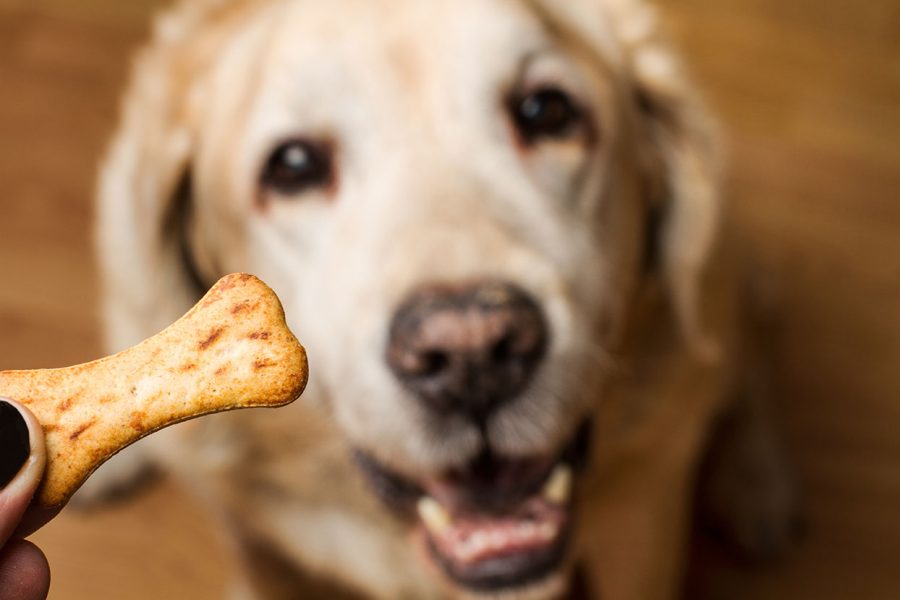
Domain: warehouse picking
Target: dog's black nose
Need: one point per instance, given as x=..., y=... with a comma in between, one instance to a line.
x=467, y=349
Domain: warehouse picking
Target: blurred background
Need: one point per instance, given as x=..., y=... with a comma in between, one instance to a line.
x=808, y=93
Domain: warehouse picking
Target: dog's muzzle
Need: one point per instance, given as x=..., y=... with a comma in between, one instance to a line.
x=491, y=522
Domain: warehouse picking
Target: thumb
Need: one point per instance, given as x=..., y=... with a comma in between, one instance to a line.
x=22, y=459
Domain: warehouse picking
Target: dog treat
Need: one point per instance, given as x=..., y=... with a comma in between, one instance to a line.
x=232, y=350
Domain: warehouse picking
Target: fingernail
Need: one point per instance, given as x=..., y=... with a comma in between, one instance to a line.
x=14, y=445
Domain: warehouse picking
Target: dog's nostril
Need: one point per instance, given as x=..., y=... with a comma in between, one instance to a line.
x=433, y=363
x=503, y=350
x=467, y=349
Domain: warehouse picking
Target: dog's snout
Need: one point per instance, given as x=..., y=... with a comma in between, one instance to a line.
x=467, y=349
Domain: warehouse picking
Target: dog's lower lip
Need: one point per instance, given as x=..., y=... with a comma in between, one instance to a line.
x=504, y=572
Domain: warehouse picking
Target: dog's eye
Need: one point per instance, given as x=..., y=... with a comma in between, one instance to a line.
x=547, y=113
x=297, y=166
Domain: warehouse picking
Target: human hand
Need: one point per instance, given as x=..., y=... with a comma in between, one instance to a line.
x=24, y=573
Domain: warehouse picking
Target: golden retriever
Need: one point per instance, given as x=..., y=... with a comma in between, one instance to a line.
x=494, y=226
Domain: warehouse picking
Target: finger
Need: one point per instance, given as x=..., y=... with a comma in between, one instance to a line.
x=34, y=519
x=22, y=459
x=24, y=573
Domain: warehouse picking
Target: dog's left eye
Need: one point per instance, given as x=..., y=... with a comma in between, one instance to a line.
x=298, y=165
x=546, y=113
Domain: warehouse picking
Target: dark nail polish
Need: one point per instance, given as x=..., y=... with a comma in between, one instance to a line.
x=14, y=444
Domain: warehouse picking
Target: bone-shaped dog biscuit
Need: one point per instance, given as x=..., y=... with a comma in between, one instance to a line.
x=232, y=350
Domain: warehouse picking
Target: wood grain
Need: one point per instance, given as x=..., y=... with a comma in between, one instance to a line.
x=809, y=97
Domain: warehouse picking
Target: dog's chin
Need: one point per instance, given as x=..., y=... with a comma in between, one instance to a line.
x=496, y=526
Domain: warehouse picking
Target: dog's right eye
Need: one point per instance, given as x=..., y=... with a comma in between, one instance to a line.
x=297, y=166
x=547, y=113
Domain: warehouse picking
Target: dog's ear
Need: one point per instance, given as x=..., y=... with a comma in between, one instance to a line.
x=681, y=149
x=678, y=145
x=143, y=180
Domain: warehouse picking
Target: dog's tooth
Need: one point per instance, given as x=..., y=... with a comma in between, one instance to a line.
x=547, y=531
x=558, y=488
x=528, y=530
x=435, y=516
x=465, y=550
x=479, y=542
x=471, y=548
x=497, y=539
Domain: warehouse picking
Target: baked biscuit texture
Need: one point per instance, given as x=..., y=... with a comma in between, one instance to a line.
x=232, y=350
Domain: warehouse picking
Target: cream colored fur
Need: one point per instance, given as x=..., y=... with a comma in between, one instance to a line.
x=430, y=189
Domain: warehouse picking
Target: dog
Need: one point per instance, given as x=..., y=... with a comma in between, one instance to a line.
x=496, y=228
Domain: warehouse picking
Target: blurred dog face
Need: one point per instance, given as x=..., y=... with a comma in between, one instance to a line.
x=451, y=200
x=357, y=166
x=450, y=223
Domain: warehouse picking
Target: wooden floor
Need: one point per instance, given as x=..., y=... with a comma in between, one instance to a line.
x=809, y=95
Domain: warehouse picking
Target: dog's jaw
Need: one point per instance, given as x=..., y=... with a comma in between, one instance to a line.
x=497, y=526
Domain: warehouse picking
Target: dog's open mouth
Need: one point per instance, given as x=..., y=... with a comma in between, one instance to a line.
x=496, y=523
x=505, y=541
